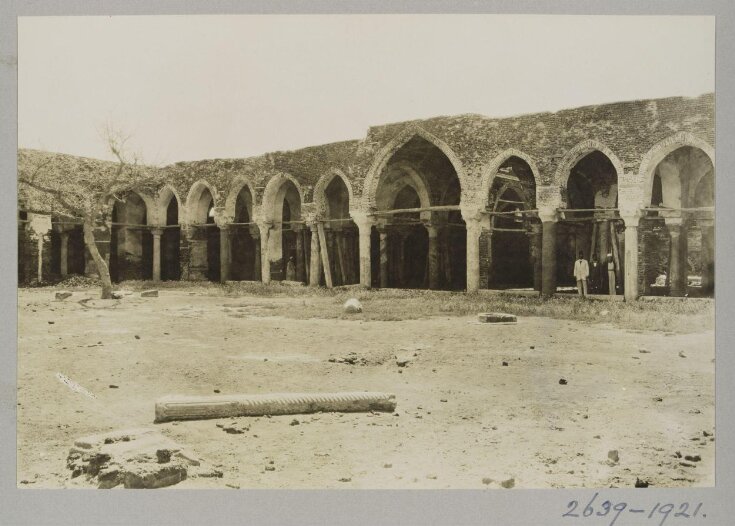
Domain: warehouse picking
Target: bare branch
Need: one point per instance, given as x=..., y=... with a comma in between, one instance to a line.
x=58, y=195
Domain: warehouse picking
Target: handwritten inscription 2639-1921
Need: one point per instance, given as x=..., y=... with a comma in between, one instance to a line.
x=658, y=514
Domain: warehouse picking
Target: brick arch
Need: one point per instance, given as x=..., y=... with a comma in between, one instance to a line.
x=415, y=181
x=561, y=176
x=489, y=172
x=195, y=193
x=319, y=194
x=162, y=199
x=148, y=200
x=384, y=155
x=237, y=185
x=659, y=151
x=268, y=202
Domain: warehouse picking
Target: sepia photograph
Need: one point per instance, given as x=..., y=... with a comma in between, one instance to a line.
x=393, y=251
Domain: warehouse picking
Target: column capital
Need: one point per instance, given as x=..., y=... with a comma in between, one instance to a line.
x=548, y=216
x=157, y=231
x=471, y=214
x=265, y=226
x=632, y=220
x=382, y=228
x=362, y=219
x=673, y=222
x=432, y=228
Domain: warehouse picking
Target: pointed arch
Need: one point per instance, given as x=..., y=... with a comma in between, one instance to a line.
x=491, y=170
x=415, y=181
x=659, y=151
x=192, y=200
x=270, y=195
x=162, y=201
x=235, y=188
x=384, y=155
x=148, y=200
x=573, y=156
x=320, y=190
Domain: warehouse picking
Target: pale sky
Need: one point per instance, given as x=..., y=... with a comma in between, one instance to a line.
x=196, y=87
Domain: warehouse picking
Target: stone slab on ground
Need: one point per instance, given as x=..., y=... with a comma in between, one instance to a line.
x=140, y=458
x=63, y=294
x=151, y=293
x=496, y=317
x=203, y=407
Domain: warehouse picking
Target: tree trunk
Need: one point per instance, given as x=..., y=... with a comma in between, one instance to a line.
x=102, y=268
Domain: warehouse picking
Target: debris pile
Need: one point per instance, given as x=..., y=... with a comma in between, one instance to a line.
x=134, y=459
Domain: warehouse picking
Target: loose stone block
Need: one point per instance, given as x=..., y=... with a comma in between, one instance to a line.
x=133, y=458
x=63, y=294
x=117, y=294
x=352, y=306
x=202, y=407
x=149, y=294
x=496, y=317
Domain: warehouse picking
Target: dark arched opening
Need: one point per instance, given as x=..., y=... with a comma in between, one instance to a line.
x=131, y=242
x=171, y=243
x=341, y=234
x=243, y=248
x=511, y=246
x=591, y=226
x=677, y=234
x=421, y=235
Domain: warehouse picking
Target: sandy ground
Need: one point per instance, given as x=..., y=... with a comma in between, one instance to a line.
x=464, y=419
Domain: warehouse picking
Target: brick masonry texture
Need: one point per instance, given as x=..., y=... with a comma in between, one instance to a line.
x=628, y=129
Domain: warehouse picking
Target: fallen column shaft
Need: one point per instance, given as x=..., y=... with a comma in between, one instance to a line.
x=178, y=407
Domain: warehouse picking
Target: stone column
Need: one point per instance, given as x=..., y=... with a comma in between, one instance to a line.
x=300, y=267
x=536, y=250
x=630, y=283
x=548, y=253
x=364, y=227
x=198, y=260
x=257, y=263
x=64, y=235
x=315, y=264
x=707, y=227
x=382, y=230
x=185, y=252
x=225, y=253
x=676, y=269
x=156, y=233
x=474, y=229
x=433, y=255
x=265, y=264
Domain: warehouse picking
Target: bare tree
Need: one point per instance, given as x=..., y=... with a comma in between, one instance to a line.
x=84, y=189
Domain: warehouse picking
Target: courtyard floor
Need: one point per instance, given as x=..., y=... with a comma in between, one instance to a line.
x=478, y=404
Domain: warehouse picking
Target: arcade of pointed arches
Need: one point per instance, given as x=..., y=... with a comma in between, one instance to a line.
x=415, y=231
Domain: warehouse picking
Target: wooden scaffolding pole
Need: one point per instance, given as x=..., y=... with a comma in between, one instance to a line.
x=615, y=251
x=325, y=256
x=341, y=258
